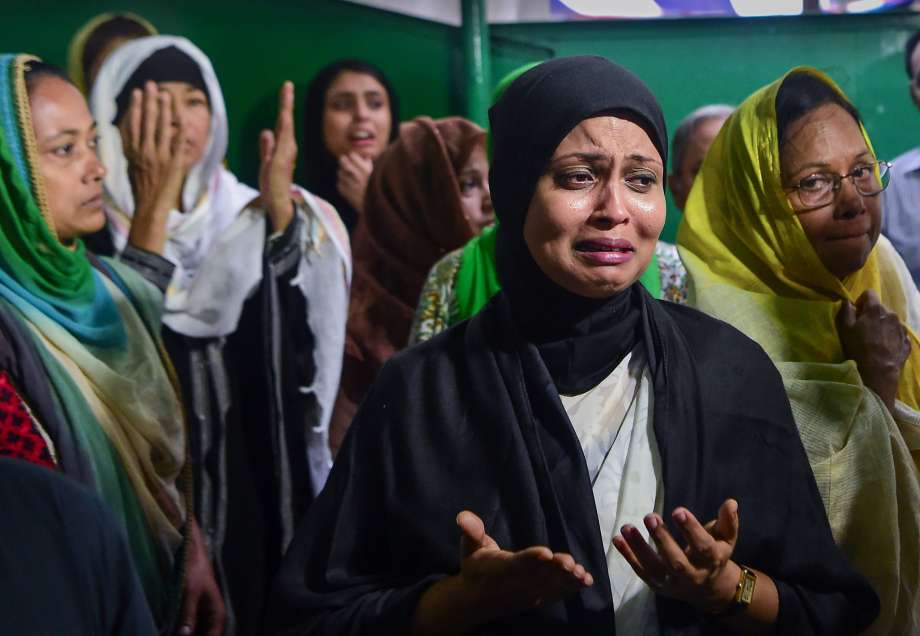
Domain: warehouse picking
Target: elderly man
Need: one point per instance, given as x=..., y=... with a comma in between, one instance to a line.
x=691, y=141
x=901, y=219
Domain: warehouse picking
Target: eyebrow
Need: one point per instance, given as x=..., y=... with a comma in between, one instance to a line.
x=822, y=164
x=596, y=156
x=584, y=156
x=69, y=132
x=643, y=159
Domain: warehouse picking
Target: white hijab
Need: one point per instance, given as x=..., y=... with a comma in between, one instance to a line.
x=212, y=196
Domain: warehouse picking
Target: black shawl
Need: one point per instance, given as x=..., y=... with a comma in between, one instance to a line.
x=472, y=420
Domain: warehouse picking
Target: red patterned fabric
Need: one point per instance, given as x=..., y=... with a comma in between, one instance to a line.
x=19, y=433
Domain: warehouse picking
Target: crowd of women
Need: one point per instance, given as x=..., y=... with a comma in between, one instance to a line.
x=349, y=400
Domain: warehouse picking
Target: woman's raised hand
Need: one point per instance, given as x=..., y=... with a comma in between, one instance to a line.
x=151, y=134
x=278, y=152
x=876, y=339
x=702, y=574
x=353, y=175
x=494, y=583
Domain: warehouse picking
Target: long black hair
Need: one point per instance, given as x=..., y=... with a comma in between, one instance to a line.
x=318, y=166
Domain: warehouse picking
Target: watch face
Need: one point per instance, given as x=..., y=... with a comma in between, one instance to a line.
x=747, y=587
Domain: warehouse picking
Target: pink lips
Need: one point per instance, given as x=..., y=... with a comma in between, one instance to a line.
x=606, y=251
x=94, y=202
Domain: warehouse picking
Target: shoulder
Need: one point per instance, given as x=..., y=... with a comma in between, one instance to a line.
x=52, y=497
x=906, y=162
x=714, y=342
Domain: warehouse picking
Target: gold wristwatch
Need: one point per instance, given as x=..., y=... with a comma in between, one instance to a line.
x=744, y=593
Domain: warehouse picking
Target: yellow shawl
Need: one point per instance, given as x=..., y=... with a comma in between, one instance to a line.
x=751, y=264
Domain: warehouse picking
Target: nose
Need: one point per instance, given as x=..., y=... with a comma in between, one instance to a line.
x=487, y=197
x=362, y=111
x=95, y=171
x=609, y=207
x=850, y=202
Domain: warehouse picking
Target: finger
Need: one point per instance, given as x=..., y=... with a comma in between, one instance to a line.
x=728, y=522
x=668, y=549
x=189, y=614
x=365, y=164
x=350, y=162
x=266, y=146
x=151, y=110
x=846, y=316
x=134, y=119
x=284, y=125
x=216, y=614
x=473, y=534
x=641, y=571
x=701, y=543
x=164, y=130
x=868, y=301
x=650, y=561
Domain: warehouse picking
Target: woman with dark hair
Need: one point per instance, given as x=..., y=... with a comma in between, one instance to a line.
x=256, y=298
x=97, y=39
x=507, y=476
x=351, y=114
x=781, y=239
x=80, y=346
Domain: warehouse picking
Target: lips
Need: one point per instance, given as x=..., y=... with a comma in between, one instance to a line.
x=847, y=235
x=93, y=202
x=606, y=251
x=362, y=138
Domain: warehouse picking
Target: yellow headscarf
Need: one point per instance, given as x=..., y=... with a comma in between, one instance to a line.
x=80, y=38
x=750, y=262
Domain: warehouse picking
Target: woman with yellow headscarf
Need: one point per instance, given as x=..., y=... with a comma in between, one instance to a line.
x=781, y=239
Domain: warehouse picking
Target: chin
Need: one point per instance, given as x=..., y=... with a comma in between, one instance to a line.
x=92, y=223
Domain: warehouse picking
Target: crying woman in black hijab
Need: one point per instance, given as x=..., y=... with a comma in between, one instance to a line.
x=571, y=425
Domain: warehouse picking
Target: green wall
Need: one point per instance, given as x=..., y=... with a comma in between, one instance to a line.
x=255, y=45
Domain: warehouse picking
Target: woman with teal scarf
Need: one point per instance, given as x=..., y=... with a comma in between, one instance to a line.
x=463, y=281
x=79, y=344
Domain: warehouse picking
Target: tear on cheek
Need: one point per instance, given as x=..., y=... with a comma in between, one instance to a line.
x=645, y=206
x=579, y=204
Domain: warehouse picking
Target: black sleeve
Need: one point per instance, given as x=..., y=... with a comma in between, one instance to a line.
x=155, y=268
x=341, y=574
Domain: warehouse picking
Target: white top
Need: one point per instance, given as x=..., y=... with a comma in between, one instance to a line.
x=613, y=422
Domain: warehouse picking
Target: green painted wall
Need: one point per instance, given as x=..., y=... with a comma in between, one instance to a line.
x=255, y=45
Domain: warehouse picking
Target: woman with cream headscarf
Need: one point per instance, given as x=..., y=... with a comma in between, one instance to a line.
x=97, y=39
x=255, y=309
x=781, y=239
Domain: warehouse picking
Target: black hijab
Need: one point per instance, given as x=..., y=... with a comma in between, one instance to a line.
x=169, y=64
x=319, y=166
x=581, y=340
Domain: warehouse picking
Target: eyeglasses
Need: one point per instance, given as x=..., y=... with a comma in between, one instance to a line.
x=821, y=189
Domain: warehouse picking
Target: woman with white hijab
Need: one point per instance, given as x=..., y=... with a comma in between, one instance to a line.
x=244, y=271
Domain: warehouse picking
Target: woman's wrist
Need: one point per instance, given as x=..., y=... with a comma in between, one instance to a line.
x=449, y=607
x=723, y=590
